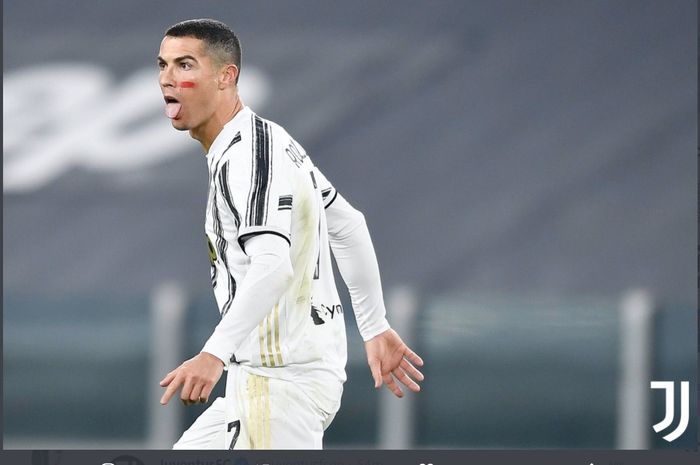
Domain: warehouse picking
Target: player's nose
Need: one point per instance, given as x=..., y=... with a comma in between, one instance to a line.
x=165, y=79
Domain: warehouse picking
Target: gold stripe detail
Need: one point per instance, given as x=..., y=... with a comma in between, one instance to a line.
x=277, y=334
x=261, y=338
x=268, y=326
x=266, y=413
x=269, y=331
x=258, y=413
x=259, y=403
x=259, y=431
x=251, y=412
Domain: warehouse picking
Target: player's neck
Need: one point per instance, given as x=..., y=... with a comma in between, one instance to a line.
x=207, y=132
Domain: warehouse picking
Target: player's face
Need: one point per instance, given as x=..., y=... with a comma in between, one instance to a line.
x=188, y=81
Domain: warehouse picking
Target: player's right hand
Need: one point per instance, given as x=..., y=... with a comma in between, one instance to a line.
x=197, y=377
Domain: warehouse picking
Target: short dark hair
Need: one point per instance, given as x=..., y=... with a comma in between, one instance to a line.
x=220, y=39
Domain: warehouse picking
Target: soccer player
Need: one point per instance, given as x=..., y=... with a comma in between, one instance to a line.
x=272, y=219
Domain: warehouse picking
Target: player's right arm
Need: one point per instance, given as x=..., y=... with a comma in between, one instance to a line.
x=269, y=275
x=389, y=358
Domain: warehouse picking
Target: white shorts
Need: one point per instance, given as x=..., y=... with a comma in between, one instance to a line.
x=258, y=413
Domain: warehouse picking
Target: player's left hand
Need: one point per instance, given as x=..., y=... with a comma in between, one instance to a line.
x=390, y=359
x=197, y=376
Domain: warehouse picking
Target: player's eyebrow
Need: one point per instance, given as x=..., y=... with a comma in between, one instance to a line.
x=178, y=59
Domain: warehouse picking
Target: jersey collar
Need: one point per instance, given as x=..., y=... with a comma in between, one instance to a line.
x=229, y=130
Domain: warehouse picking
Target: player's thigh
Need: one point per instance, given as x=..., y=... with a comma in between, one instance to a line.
x=273, y=414
x=207, y=431
x=296, y=422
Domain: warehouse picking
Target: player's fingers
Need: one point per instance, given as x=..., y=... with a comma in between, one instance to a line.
x=187, y=390
x=412, y=356
x=376, y=368
x=168, y=378
x=411, y=370
x=408, y=382
x=392, y=386
x=196, y=393
x=172, y=388
x=206, y=392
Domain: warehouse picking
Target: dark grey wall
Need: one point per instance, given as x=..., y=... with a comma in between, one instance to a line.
x=516, y=146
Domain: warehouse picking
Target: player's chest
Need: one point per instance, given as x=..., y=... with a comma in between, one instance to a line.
x=219, y=222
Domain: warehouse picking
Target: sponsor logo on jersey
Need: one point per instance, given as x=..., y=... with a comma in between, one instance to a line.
x=212, y=261
x=212, y=252
x=321, y=313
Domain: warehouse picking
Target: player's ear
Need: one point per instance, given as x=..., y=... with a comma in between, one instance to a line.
x=228, y=76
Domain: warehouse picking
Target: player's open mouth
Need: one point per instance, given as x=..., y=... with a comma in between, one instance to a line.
x=172, y=107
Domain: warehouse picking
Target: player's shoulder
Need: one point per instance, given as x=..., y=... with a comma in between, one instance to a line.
x=278, y=133
x=282, y=142
x=257, y=141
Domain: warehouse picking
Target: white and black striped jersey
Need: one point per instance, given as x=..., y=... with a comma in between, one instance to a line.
x=261, y=181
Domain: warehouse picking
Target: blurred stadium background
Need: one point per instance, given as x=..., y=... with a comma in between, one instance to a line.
x=527, y=169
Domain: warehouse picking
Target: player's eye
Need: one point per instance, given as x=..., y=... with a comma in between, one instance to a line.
x=161, y=65
x=185, y=65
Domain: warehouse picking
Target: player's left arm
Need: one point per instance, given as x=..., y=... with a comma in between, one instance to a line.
x=388, y=357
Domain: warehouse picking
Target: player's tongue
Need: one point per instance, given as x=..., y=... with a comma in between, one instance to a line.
x=172, y=109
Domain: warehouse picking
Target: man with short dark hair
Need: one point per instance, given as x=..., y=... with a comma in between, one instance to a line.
x=271, y=221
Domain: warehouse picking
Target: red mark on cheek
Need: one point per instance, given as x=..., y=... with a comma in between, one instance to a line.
x=186, y=85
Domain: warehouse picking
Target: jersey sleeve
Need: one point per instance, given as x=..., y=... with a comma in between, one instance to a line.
x=268, y=277
x=260, y=188
x=354, y=253
x=328, y=192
